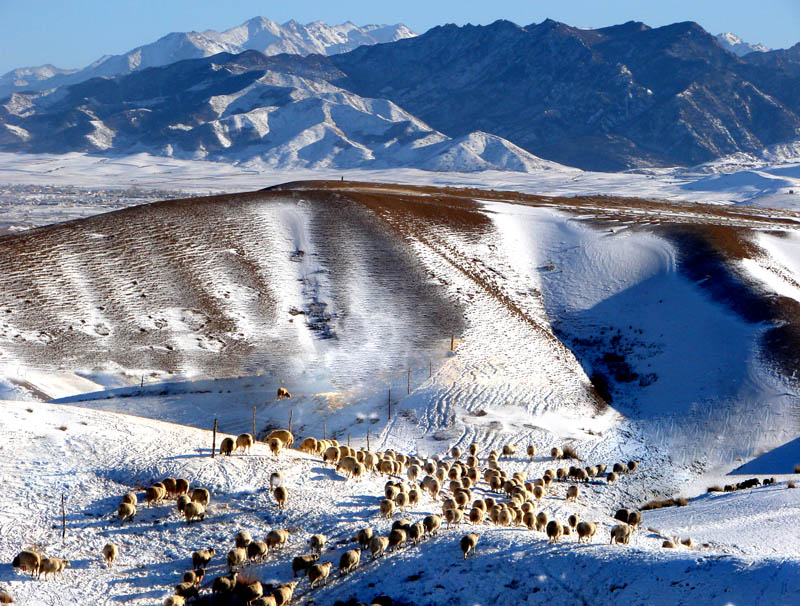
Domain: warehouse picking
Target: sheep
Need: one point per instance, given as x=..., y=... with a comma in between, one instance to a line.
x=541, y=520
x=634, y=518
x=284, y=435
x=453, y=516
x=455, y=452
x=364, y=536
x=668, y=544
x=473, y=449
x=556, y=452
x=283, y=594
x=224, y=584
x=432, y=523
x=347, y=465
x=275, y=446
x=248, y=591
x=126, y=511
x=236, y=557
x=586, y=530
x=131, y=498
x=554, y=531
x=476, y=515
x=413, y=472
x=468, y=544
x=619, y=468
x=531, y=450
x=202, y=496
x=275, y=478
x=622, y=515
x=387, y=508
x=186, y=590
x=281, y=494
x=397, y=537
x=304, y=562
x=573, y=520
x=377, y=546
x=621, y=533
x=283, y=393
x=175, y=600
x=181, y=503
x=181, y=486
x=277, y=538
x=529, y=519
x=509, y=450
x=331, y=455
x=244, y=441
x=317, y=542
x=538, y=492
x=349, y=561
x=309, y=445
x=243, y=539
x=110, y=553
x=5, y=597
x=53, y=566
x=194, y=511
x=28, y=560
x=195, y=577
x=154, y=494
x=202, y=557
x=572, y=493
x=319, y=572
x=633, y=465
x=169, y=485
x=611, y=477
x=226, y=447
x=257, y=551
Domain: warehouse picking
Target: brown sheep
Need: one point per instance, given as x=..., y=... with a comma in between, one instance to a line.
x=169, y=485
x=611, y=477
x=509, y=450
x=175, y=600
x=633, y=465
x=572, y=493
x=28, y=560
x=468, y=544
x=283, y=594
x=668, y=544
x=635, y=518
x=186, y=590
x=586, y=530
x=432, y=523
x=281, y=494
x=317, y=542
x=195, y=577
x=110, y=553
x=53, y=566
x=5, y=597
x=364, y=536
x=556, y=452
x=130, y=498
x=387, y=508
x=283, y=393
x=155, y=494
x=319, y=572
x=181, y=486
x=622, y=515
x=554, y=531
x=285, y=436
x=309, y=445
x=236, y=558
x=181, y=503
x=377, y=546
x=275, y=479
x=202, y=496
x=621, y=534
x=573, y=520
x=397, y=537
x=541, y=520
x=244, y=441
x=194, y=511
x=257, y=551
x=242, y=539
x=304, y=562
x=126, y=511
x=277, y=538
x=202, y=557
x=224, y=585
x=531, y=450
x=226, y=447
x=349, y=561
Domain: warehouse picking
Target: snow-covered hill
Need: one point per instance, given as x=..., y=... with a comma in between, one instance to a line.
x=737, y=46
x=258, y=33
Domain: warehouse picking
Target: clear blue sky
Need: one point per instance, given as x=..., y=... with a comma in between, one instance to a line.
x=73, y=33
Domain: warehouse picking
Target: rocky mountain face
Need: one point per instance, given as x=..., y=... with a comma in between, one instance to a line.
x=605, y=99
x=461, y=98
x=258, y=33
x=737, y=46
x=276, y=111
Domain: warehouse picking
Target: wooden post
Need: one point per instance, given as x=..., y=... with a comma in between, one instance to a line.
x=324, y=433
x=367, y=437
x=254, y=422
x=291, y=417
x=63, y=517
x=452, y=343
x=430, y=369
x=141, y=386
x=214, y=440
x=409, y=381
x=390, y=403
x=348, y=439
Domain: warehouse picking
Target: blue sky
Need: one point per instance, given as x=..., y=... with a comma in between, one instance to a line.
x=73, y=33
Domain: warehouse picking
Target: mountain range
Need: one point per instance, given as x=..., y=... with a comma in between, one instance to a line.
x=455, y=98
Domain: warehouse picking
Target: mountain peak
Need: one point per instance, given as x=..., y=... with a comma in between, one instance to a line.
x=733, y=43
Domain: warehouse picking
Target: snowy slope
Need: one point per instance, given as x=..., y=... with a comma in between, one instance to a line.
x=258, y=33
x=737, y=46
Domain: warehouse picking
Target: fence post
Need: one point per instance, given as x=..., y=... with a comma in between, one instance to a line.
x=63, y=517
x=409, y=381
x=348, y=440
x=390, y=403
x=254, y=422
x=214, y=440
x=452, y=343
x=367, y=437
x=291, y=417
x=324, y=432
x=430, y=369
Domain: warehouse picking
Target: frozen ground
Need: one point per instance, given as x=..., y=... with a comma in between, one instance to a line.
x=770, y=181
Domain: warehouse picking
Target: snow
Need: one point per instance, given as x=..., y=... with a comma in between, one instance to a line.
x=737, y=46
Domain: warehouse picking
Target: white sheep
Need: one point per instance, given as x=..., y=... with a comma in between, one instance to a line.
x=283, y=594
x=202, y=557
x=621, y=534
x=319, y=572
x=468, y=544
x=349, y=561
x=236, y=558
x=377, y=546
x=126, y=511
x=364, y=536
x=53, y=566
x=284, y=435
x=554, y=531
x=317, y=542
x=586, y=530
x=432, y=523
x=194, y=511
x=277, y=538
x=572, y=493
x=244, y=441
x=202, y=496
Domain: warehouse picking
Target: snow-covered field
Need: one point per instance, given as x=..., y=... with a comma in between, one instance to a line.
x=231, y=297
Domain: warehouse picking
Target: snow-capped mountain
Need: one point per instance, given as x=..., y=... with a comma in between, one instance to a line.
x=278, y=111
x=258, y=33
x=737, y=46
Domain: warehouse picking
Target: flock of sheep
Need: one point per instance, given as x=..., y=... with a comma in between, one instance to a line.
x=507, y=500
